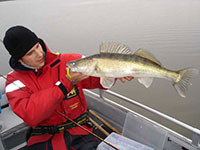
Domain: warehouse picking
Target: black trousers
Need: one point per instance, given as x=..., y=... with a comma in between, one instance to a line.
x=77, y=142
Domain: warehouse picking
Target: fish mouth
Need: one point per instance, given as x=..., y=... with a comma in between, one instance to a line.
x=72, y=66
x=69, y=65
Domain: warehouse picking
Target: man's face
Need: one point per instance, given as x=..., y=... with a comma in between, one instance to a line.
x=34, y=57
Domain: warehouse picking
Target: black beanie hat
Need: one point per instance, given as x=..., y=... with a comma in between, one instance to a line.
x=19, y=40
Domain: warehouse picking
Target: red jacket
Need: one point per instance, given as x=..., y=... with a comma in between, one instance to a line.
x=39, y=96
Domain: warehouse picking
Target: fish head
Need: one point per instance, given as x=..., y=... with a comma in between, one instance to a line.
x=84, y=65
x=76, y=66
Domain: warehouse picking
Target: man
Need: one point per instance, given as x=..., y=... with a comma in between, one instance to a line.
x=39, y=87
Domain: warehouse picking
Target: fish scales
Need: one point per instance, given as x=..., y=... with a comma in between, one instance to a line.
x=118, y=65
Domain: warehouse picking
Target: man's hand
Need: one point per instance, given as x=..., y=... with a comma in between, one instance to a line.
x=76, y=77
x=129, y=78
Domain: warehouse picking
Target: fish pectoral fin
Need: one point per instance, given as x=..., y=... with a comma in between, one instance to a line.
x=107, y=82
x=147, y=55
x=146, y=81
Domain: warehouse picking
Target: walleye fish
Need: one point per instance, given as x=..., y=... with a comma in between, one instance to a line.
x=117, y=61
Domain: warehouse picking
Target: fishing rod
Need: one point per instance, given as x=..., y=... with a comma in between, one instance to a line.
x=21, y=88
x=63, y=115
x=101, y=139
x=3, y=76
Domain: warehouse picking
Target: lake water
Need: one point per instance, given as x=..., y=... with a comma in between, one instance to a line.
x=170, y=29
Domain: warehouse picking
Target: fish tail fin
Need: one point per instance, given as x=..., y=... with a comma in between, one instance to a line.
x=183, y=82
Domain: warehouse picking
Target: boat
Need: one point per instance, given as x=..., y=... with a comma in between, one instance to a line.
x=131, y=124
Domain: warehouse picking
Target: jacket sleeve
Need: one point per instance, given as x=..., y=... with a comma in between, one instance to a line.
x=32, y=107
x=91, y=83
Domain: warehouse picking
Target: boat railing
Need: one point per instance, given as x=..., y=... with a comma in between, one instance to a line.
x=195, y=132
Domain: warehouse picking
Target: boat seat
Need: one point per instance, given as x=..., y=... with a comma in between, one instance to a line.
x=12, y=128
x=143, y=130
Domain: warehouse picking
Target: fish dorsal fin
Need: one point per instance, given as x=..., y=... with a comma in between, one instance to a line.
x=112, y=47
x=148, y=55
